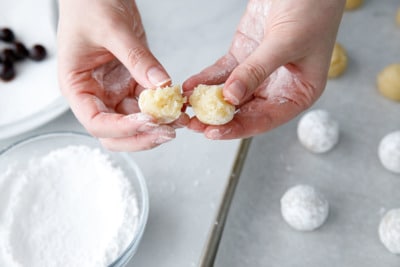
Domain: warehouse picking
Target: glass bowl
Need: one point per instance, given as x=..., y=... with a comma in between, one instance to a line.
x=40, y=145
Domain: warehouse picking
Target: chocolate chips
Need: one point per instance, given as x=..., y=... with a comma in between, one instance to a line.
x=15, y=52
x=38, y=53
x=7, y=35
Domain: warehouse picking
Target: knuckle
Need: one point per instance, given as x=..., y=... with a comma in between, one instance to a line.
x=137, y=54
x=256, y=72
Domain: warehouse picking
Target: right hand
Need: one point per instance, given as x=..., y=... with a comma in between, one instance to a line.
x=104, y=64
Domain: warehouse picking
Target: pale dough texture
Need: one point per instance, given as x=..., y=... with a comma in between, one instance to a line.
x=338, y=61
x=304, y=208
x=388, y=82
x=209, y=105
x=389, y=151
x=164, y=104
x=353, y=4
x=318, y=131
x=389, y=231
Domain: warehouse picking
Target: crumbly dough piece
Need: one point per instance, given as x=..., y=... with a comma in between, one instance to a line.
x=389, y=231
x=389, y=151
x=209, y=105
x=353, y=4
x=304, y=208
x=164, y=104
x=318, y=131
x=388, y=81
x=338, y=61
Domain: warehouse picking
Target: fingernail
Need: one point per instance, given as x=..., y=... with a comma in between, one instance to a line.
x=140, y=117
x=163, y=134
x=158, y=77
x=214, y=134
x=217, y=134
x=235, y=92
x=162, y=139
x=147, y=126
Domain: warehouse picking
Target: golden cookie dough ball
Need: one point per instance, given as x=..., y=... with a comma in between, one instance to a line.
x=338, y=61
x=398, y=17
x=209, y=105
x=388, y=82
x=164, y=104
x=353, y=4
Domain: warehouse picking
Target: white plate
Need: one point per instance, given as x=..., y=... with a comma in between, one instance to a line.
x=33, y=97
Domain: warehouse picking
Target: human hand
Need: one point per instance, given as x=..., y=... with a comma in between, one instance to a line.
x=276, y=66
x=104, y=64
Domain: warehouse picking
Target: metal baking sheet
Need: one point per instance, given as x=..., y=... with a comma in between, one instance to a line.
x=351, y=176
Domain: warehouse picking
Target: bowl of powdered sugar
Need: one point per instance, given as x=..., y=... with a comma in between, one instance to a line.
x=65, y=201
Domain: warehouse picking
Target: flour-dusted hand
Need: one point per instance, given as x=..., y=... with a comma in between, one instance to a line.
x=104, y=64
x=276, y=66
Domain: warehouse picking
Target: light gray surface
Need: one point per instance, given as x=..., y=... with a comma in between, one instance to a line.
x=358, y=188
x=186, y=176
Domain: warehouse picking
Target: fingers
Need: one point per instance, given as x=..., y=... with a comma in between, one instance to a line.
x=139, y=142
x=214, y=74
x=137, y=58
x=253, y=71
x=253, y=118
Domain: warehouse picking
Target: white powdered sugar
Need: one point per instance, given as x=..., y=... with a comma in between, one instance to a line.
x=318, y=131
x=389, y=151
x=389, y=231
x=71, y=207
x=304, y=208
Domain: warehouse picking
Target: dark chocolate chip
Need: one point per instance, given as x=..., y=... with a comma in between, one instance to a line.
x=37, y=53
x=6, y=35
x=8, y=54
x=7, y=71
x=21, y=51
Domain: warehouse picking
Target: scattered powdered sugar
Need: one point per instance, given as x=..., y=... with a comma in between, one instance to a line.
x=71, y=207
x=113, y=77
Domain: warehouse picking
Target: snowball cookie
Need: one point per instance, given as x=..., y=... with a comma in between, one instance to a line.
x=389, y=231
x=389, y=151
x=209, y=105
x=303, y=208
x=164, y=104
x=353, y=4
x=338, y=61
x=388, y=81
x=318, y=131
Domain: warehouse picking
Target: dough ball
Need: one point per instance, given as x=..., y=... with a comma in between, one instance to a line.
x=389, y=231
x=164, y=104
x=318, y=131
x=389, y=152
x=398, y=17
x=388, y=81
x=209, y=105
x=353, y=4
x=338, y=61
x=303, y=208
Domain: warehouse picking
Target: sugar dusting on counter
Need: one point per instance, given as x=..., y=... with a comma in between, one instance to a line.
x=71, y=207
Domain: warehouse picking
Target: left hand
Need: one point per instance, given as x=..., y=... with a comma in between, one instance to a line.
x=276, y=66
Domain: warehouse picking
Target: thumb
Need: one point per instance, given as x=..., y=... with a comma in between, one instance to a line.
x=252, y=72
x=138, y=59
